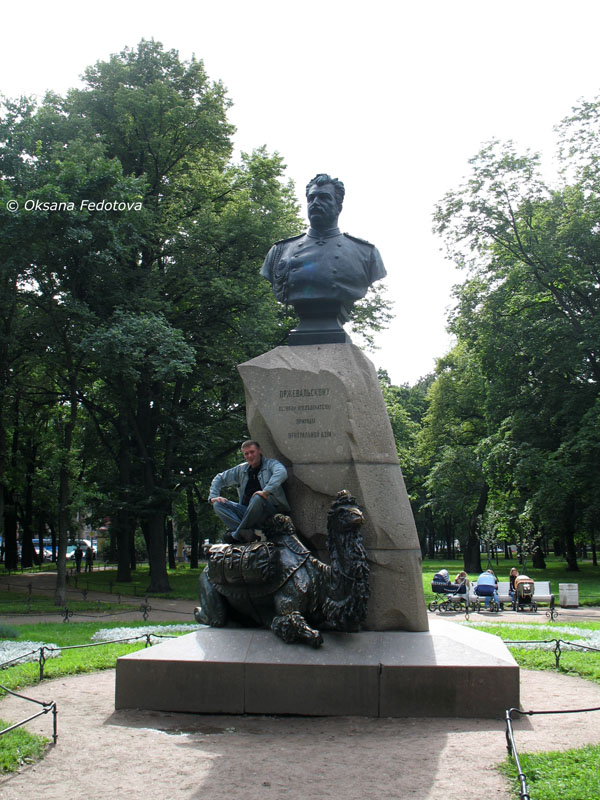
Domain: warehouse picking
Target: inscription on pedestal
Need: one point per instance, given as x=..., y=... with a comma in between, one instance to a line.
x=310, y=416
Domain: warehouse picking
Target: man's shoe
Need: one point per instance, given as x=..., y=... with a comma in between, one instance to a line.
x=228, y=538
x=244, y=536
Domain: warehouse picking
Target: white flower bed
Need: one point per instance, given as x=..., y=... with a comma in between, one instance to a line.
x=25, y=651
x=588, y=638
x=108, y=634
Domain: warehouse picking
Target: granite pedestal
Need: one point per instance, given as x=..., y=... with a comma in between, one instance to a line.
x=449, y=671
x=320, y=411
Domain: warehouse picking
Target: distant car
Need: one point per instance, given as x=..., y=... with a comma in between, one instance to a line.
x=46, y=553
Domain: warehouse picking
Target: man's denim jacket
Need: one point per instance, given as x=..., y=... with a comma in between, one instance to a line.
x=271, y=476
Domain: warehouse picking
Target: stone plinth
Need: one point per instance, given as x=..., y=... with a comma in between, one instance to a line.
x=448, y=671
x=319, y=409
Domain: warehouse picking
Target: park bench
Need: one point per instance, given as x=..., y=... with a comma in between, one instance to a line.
x=541, y=592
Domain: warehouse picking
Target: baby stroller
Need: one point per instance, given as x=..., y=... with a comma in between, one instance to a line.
x=524, y=594
x=442, y=587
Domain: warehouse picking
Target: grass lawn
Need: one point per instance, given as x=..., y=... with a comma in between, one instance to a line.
x=19, y=747
x=586, y=664
x=569, y=775
x=183, y=581
x=12, y=603
x=70, y=662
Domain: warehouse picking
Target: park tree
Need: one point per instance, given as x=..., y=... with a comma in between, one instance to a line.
x=529, y=311
x=454, y=429
x=135, y=313
x=187, y=304
x=406, y=406
x=143, y=312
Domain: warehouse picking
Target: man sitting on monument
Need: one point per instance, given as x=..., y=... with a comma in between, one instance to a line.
x=258, y=481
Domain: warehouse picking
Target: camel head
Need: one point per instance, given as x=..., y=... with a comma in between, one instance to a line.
x=344, y=516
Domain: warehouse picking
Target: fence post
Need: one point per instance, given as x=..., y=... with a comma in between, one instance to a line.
x=42, y=662
x=557, y=654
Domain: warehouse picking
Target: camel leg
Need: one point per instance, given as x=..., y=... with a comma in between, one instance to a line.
x=290, y=625
x=213, y=607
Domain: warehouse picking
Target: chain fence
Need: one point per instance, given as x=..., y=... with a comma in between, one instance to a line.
x=67, y=613
x=559, y=644
x=512, y=748
x=42, y=655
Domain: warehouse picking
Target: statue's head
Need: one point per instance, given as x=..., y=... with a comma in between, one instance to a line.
x=325, y=196
x=344, y=513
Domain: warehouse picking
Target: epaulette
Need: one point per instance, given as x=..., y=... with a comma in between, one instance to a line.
x=290, y=239
x=356, y=239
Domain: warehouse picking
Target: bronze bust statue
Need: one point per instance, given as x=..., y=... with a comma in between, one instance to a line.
x=322, y=272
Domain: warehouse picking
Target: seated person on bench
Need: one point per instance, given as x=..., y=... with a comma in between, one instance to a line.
x=487, y=586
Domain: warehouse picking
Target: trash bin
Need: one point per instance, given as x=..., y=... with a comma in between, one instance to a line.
x=568, y=594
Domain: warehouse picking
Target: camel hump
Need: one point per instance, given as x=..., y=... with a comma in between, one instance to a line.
x=231, y=564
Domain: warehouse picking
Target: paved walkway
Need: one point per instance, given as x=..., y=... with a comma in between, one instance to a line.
x=102, y=753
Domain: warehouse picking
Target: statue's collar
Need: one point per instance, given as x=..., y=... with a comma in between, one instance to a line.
x=328, y=234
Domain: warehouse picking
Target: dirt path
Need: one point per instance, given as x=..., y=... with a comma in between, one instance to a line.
x=103, y=754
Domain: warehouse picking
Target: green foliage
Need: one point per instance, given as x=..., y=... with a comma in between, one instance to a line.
x=528, y=315
x=566, y=775
x=135, y=319
x=19, y=748
x=70, y=662
x=8, y=632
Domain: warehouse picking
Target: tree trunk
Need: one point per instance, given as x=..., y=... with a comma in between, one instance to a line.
x=157, y=551
x=569, y=538
x=11, y=551
x=60, y=593
x=123, y=532
x=64, y=501
x=194, y=529
x=121, y=523
x=132, y=555
x=171, y=544
x=472, y=552
x=41, y=530
x=449, y=535
x=537, y=557
x=27, y=551
x=472, y=555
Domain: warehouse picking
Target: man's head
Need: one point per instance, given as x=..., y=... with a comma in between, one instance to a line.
x=325, y=196
x=252, y=453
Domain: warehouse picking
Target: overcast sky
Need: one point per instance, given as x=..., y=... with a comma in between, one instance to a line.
x=391, y=97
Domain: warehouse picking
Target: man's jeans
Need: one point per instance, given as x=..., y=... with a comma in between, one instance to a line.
x=238, y=517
